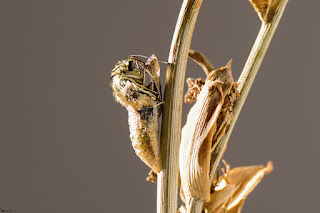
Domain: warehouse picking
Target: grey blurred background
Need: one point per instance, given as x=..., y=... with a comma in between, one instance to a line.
x=64, y=142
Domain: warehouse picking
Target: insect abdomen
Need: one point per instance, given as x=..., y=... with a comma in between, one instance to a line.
x=143, y=125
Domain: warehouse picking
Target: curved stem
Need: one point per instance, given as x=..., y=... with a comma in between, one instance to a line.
x=202, y=61
x=250, y=70
x=167, y=197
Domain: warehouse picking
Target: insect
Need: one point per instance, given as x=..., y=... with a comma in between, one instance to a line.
x=143, y=103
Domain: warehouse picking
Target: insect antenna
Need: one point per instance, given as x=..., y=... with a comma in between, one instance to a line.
x=147, y=58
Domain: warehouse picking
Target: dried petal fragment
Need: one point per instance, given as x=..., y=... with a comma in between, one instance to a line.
x=261, y=7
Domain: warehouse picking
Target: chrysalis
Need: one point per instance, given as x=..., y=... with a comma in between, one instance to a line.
x=143, y=104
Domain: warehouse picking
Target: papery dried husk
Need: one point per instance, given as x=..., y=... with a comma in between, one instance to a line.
x=219, y=197
x=234, y=186
x=196, y=138
x=245, y=179
x=248, y=177
x=223, y=123
x=154, y=69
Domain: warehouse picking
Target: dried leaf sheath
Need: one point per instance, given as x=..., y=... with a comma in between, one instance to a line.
x=196, y=139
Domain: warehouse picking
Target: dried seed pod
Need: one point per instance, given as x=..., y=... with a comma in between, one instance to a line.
x=261, y=7
x=196, y=138
x=142, y=102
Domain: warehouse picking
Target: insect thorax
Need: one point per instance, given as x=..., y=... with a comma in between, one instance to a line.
x=129, y=93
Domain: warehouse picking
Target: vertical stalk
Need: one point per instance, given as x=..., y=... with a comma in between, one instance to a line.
x=250, y=70
x=194, y=206
x=167, y=197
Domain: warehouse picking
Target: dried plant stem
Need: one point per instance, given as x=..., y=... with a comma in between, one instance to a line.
x=250, y=70
x=167, y=197
x=194, y=206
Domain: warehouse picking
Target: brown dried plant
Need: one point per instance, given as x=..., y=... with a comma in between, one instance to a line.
x=210, y=121
x=189, y=157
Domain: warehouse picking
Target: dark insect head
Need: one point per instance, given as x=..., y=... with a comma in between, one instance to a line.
x=131, y=66
x=133, y=69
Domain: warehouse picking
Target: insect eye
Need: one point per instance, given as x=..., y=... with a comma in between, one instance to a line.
x=131, y=66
